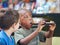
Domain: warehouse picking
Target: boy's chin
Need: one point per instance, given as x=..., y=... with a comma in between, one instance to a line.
x=29, y=27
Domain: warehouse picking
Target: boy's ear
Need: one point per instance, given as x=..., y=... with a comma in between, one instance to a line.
x=13, y=26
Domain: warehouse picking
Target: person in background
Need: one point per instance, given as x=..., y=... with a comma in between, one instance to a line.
x=39, y=7
x=26, y=4
x=0, y=3
x=10, y=2
x=9, y=23
x=52, y=4
x=5, y=3
x=16, y=4
x=29, y=36
x=44, y=6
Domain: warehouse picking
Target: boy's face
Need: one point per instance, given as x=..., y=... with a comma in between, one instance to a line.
x=17, y=25
x=26, y=20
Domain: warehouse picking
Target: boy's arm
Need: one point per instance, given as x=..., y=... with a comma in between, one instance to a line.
x=47, y=34
x=26, y=40
x=50, y=32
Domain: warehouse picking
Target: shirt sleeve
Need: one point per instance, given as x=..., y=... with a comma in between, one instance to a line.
x=42, y=38
x=18, y=36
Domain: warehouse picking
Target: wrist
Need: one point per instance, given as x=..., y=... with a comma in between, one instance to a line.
x=38, y=30
x=51, y=31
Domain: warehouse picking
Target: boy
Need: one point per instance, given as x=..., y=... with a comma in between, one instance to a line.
x=28, y=36
x=9, y=23
x=1, y=14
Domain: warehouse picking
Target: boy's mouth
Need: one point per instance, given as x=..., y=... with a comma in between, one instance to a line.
x=34, y=23
x=31, y=23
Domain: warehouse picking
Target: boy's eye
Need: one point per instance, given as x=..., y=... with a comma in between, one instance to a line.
x=25, y=16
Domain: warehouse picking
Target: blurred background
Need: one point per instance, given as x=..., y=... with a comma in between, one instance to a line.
x=36, y=6
x=49, y=9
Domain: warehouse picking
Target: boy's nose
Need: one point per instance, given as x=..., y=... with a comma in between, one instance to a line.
x=30, y=18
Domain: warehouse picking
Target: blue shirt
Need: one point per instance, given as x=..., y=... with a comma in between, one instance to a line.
x=5, y=4
x=5, y=40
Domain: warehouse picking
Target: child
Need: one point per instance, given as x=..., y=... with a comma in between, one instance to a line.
x=1, y=14
x=9, y=23
x=28, y=36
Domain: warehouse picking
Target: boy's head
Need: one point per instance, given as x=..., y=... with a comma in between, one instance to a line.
x=1, y=14
x=25, y=18
x=9, y=19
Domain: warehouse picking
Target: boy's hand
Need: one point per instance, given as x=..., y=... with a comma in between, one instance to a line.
x=41, y=25
x=53, y=26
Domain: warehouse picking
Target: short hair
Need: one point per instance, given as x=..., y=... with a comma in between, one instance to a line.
x=9, y=18
x=22, y=11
